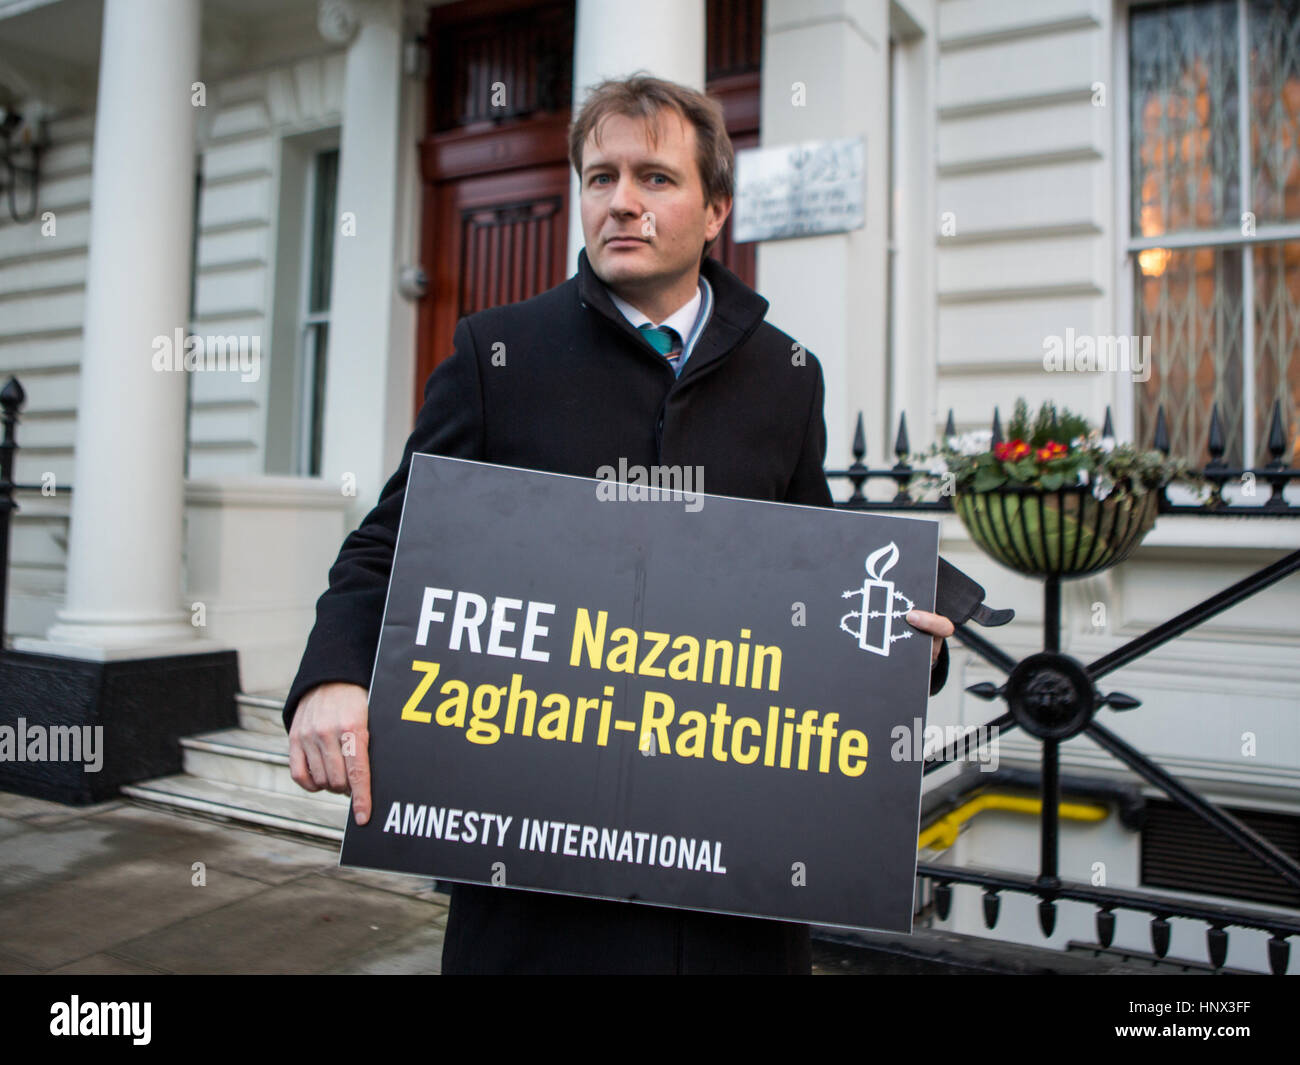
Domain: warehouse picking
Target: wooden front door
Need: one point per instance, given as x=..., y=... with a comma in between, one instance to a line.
x=494, y=162
x=491, y=236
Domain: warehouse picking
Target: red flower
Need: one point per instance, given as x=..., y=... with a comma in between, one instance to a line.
x=1053, y=450
x=1010, y=451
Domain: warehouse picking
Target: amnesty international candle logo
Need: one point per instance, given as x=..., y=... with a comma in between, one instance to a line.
x=874, y=628
x=640, y=703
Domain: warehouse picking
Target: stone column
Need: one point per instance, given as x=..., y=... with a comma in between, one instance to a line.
x=364, y=403
x=824, y=78
x=124, y=556
x=615, y=38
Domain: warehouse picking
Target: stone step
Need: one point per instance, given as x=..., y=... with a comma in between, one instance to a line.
x=246, y=757
x=241, y=775
x=262, y=712
x=320, y=816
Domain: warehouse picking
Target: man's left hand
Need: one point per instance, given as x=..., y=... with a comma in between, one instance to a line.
x=936, y=625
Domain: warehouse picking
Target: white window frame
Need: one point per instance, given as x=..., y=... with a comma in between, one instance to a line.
x=305, y=348
x=1128, y=246
x=911, y=339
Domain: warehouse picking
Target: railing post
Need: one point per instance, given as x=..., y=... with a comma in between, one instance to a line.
x=11, y=400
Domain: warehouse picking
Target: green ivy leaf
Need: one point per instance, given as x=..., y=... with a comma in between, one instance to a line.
x=986, y=480
x=1025, y=469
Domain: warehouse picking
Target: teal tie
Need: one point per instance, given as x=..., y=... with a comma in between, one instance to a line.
x=665, y=341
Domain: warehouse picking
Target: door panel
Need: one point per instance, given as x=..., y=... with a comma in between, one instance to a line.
x=497, y=238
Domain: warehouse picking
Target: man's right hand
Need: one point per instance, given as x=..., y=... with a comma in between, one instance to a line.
x=329, y=743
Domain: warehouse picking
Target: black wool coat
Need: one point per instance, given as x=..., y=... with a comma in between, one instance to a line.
x=563, y=383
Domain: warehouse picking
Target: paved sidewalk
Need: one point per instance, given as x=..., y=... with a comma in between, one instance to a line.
x=112, y=888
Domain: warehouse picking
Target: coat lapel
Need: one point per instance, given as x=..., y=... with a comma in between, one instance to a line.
x=737, y=311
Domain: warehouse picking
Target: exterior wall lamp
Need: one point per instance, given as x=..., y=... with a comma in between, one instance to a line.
x=22, y=140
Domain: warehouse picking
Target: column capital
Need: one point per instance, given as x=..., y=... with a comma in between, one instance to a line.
x=338, y=20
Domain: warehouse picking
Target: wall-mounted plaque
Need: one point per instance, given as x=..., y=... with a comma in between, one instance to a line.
x=800, y=190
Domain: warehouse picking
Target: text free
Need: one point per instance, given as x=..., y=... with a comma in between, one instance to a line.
x=469, y=614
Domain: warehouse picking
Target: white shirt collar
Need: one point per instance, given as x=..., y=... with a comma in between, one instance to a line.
x=682, y=319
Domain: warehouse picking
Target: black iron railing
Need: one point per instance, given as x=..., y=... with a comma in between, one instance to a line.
x=11, y=401
x=1055, y=697
x=1275, y=473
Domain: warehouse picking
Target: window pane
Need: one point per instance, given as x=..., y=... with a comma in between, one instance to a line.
x=1277, y=345
x=1275, y=109
x=318, y=338
x=1183, y=89
x=1189, y=303
x=322, y=230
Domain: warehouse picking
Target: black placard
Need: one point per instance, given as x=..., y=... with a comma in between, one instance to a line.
x=761, y=776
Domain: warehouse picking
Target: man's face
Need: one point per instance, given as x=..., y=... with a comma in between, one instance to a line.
x=643, y=212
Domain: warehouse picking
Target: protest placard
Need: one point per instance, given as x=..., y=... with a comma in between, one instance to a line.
x=631, y=693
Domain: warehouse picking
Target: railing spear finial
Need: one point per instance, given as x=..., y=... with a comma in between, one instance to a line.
x=1276, y=438
x=1215, y=445
x=992, y=902
x=1216, y=945
x=1161, y=441
x=1279, y=955
x=1105, y=927
x=1160, y=935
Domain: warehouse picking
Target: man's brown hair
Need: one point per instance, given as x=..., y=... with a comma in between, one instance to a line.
x=645, y=97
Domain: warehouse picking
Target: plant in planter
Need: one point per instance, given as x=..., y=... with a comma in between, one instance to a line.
x=1056, y=497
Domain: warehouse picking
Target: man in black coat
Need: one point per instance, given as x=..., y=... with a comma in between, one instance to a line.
x=650, y=355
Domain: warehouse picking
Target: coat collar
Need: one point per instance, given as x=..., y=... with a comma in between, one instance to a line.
x=737, y=311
